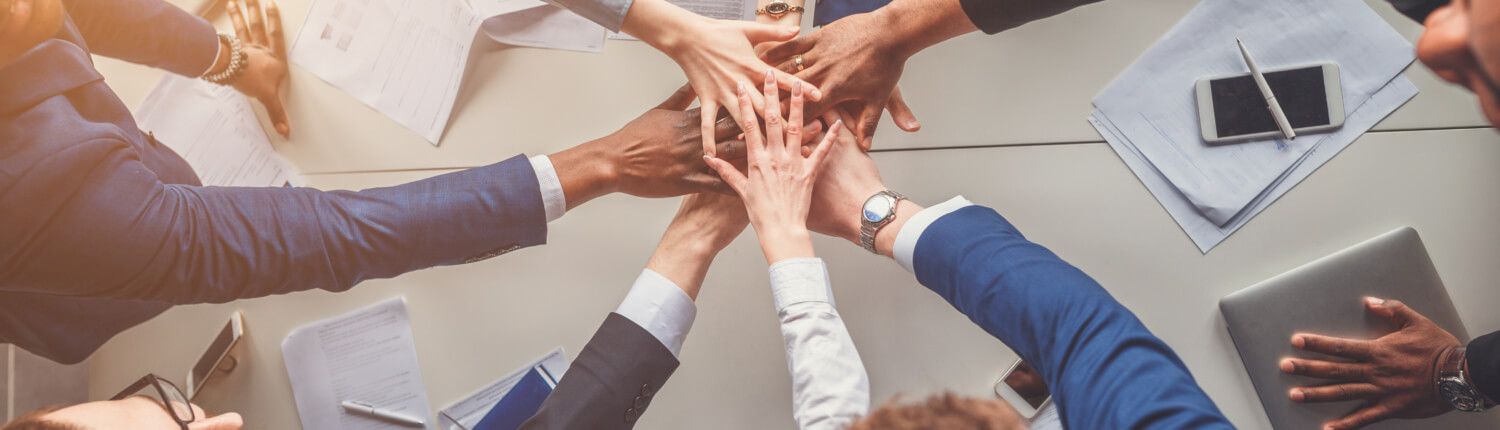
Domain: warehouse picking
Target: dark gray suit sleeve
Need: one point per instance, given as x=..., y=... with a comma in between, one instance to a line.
x=612, y=381
x=994, y=16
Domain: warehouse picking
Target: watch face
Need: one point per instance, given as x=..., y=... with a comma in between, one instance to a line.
x=877, y=208
x=1458, y=395
x=777, y=8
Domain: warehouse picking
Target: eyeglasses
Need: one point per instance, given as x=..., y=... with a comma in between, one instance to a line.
x=176, y=404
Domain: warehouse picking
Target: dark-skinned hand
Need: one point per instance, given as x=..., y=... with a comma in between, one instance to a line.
x=264, y=44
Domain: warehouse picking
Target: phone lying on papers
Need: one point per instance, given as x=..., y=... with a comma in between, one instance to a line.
x=211, y=361
x=1024, y=388
x=1231, y=108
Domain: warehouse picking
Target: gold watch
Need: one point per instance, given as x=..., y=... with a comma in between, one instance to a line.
x=777, y=8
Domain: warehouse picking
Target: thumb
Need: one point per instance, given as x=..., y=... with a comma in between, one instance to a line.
x=229, y=421
x=867, y=122
x=278, y=115
x=760, y=33
x=1392, y=310
x=679, y=100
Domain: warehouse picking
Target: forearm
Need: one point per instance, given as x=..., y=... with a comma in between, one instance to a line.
x=148, y=32
x=585, y=173
x=662, y=25
x=1083, y=342
x=683, y=258
x=830, y=388
x=910, y=26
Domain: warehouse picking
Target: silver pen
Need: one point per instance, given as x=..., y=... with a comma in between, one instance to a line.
x=1265, y=90
x=370, y=410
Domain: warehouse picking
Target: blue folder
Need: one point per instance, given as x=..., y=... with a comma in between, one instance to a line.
x=523, y=401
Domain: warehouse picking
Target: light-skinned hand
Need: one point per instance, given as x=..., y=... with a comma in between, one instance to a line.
x=264, y=45
x=777, y=187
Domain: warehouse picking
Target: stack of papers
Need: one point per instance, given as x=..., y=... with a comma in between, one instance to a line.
x=1149, y=113
x=465, y=414
x=367, y=356
x=215, y=130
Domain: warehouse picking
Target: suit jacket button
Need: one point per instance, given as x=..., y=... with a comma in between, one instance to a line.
x=646, y=390
x=631, y=415
x=640, y=402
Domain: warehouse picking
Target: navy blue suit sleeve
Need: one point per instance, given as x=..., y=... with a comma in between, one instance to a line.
x=104, y=226
x=1105, y=369
x=68, y=329
x=147, y=32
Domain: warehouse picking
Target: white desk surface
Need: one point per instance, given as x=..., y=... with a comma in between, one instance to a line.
x=476, y=322
x=1033, y=84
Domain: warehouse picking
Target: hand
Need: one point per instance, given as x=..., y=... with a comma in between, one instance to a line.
x=714, y=54
x=1395, y=375
x=840, y=195
x=264, y=45
x=704, y=225
x=779, y=185
x=655, y=155
x=856, y=67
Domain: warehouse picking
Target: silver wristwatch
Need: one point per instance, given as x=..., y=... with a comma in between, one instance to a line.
x=1453, y=384
x=879, y=210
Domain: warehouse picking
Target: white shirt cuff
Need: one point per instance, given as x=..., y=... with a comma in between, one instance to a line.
x=658, y=305
x=553, y=201
x=906, y=239
x=800, y=280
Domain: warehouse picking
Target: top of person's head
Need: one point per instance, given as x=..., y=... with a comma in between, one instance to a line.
x=1462, y=45
x=943, y=411
x=26, y=25
x=36, y=420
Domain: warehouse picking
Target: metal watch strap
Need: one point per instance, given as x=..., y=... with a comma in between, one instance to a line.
x=238, y=63
x=867, y=229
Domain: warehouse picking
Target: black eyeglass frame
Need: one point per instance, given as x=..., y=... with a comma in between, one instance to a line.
x=157, y=382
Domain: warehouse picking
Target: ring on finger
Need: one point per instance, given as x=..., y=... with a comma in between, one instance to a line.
x=798, y=60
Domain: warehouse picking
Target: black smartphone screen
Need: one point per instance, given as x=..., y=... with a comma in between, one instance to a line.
x=210, y=359
x=1240, y=109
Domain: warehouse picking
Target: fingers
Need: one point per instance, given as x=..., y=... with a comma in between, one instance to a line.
x=787, y=49
x=725, y=128
x=709, y=111
x=1334, y=393
x=274, y=30
x=731, y=176
x=1360, y=418
x=775, y=131
x=760, y=33
x=1394, y=310
x=278, y=116
x=257, y=23
x=794, y=120
x=753, y=138
x=703, y=181
x=237, y=19
x=680, y=99
x=1347, y=348
x=731, y=150
x=821, y=152
x=786, y=80
x=901, y=113
x=1326, y=369
x=867, y=122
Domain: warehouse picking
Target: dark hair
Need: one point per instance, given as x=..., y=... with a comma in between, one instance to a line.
x=36, y=420
x=942, y=411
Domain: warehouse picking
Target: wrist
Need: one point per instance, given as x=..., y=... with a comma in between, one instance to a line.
x=785, y=243
x=885, y=238
x=914, y=25
x=661, y=25
x=221, y=61
x=585, y=172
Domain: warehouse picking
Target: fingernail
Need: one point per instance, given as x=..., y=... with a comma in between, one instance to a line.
x=1287, y=366
x=1297, y=395
x=817, y=93
x=706, y=157
x=797, y=89
x=1297, y=341
x=770, y=77
x=742, y=88
x=1374, y=301
x=837, y=124
x=790, y=29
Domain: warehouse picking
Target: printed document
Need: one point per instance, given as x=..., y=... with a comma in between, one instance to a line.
x=545, y=26
x=404, y=58
x=466, y=413
x=368, y=356
x=1153, y=107
x=215, y=129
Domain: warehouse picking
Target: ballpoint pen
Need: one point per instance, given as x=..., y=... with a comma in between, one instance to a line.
x=370, y=410
x=1265, y=90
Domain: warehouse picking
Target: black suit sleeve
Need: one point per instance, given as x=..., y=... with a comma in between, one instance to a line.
x=1418, y=10
x=612, y=381
x=1484, y=364
x=994, y=16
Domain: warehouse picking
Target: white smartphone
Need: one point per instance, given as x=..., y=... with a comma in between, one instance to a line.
x=1232, y=109
x=1024, y=388
x=209, y=363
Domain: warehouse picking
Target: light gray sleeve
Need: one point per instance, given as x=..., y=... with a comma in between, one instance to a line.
x=608, y=13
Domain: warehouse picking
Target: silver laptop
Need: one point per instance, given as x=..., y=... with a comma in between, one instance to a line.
x=1327, y=297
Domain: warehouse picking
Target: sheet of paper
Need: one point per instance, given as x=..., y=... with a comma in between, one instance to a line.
x=546, y=26
x=1153, y=106
x=1206, y=233
x=466, y=413
x=404, y=58
x=742, y=10
x=215, y=129
x=367, y=355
